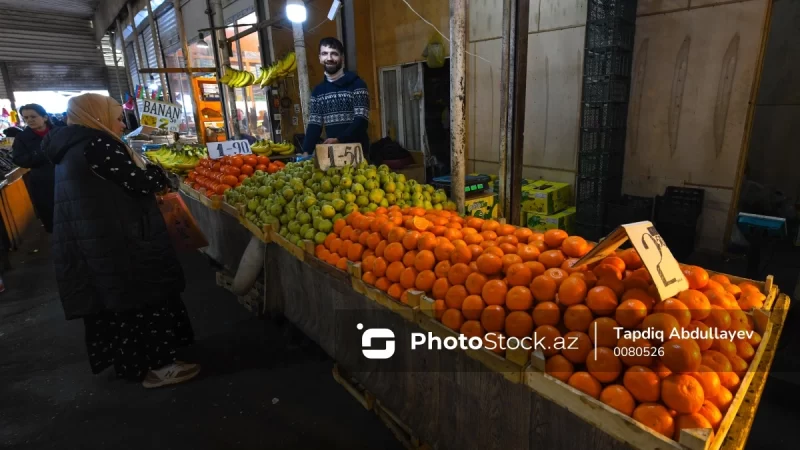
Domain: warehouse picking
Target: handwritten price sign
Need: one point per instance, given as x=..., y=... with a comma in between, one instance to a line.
x=338, y=155
x=656, y=256
x=217, y=150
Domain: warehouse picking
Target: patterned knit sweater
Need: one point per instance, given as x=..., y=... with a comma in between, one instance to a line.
x=342, y=108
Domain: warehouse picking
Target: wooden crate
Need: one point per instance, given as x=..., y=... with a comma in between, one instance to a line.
x=634, y=433
x=188, y=190
x=261, y=233
x=231, y=210
x=213, y=202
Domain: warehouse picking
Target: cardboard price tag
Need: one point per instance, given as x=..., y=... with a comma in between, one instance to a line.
x=217, y=150
x=656, y=256
x=337, y=155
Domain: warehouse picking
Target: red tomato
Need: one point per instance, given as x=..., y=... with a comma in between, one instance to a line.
x=272, y=168
x=247, y=169
x=262, y=160
x=216, y=167
x=250, y=160
x=280, y=164
x=237, y=161
x=221, y=188
x=242, y=178
x=261, y=167
x=230, y=180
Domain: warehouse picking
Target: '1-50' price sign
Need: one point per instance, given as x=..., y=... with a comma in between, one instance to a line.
x=217, y=150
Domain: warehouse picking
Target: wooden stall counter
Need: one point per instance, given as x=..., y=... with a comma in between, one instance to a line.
x=16, y=207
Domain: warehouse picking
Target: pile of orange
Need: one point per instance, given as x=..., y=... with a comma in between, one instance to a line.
x=489, y=278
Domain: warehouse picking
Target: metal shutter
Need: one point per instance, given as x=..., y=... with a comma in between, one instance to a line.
x=168, y=32
x=45, y=37
x=150, y=52
x=114, y=83
x=26, y=76
x=3, y=93
x=134, y=64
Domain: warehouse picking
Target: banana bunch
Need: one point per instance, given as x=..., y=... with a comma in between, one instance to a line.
x=269, y=148
x=237, y=78
x=278, y=70
x=262, y=148
x=177, y=160
x=283, y=149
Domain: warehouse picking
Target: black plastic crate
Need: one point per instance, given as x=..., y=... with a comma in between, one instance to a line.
x=628, y=209
x=685, y=193
x=607, y=34
x=611, y=62
x=677, y=211
x=612, y=9
x=679, y=238
x=589, y=232
x=590, y=212
x=603, y=140
x=600, y=164
x=598, y=189
x=604, y=115
x=605, y=90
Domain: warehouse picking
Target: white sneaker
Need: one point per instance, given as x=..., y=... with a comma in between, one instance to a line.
x=174, y=373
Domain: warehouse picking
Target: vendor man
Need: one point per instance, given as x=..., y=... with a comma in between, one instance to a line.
x=340, y=103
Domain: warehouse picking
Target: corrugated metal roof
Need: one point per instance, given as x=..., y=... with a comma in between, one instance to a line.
x=75, y=8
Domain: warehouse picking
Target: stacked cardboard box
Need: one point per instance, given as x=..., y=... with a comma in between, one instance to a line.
x=546, y=205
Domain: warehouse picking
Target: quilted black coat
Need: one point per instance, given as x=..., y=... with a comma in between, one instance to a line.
x=111, y=248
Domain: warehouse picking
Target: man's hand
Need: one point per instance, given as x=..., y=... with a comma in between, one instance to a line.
x=331, y=141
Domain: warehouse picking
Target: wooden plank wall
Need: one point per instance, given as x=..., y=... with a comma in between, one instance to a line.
x=694, y=67
x=555, y=67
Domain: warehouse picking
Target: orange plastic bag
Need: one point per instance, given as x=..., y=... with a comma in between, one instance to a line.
x=186, y=236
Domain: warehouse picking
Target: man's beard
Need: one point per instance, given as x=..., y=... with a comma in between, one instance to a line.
x=331, y=70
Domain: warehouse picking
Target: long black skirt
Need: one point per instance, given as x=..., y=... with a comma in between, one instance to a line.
x=137, y=341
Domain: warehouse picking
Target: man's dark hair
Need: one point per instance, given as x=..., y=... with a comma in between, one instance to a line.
x=38, y=109
x=333, y=43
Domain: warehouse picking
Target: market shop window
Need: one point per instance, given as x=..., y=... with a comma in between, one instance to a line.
x=402, y=105
x=251, y=101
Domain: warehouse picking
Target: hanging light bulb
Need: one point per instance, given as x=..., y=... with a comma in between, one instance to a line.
x=296, y=11
x=202, y=43
x=153, y=86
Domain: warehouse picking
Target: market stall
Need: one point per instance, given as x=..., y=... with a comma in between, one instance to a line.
x=16, y=207
x=455, y=398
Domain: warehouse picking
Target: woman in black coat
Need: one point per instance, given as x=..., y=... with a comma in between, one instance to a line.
x=27, y=152
x=115, y=264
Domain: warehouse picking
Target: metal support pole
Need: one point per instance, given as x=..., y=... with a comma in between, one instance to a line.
x=267, y=58
x=302, y=69
x=348, y=20
x=157, y=43
x=517, y=114
x=187, y=61
x=137, y=49
x=7, y=83
x=458, y=96
x=506, y=69
x=216, y=19
x=131, y=83
x=113, y=37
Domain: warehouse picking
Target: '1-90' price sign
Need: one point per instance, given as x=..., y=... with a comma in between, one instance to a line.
x=217, y=150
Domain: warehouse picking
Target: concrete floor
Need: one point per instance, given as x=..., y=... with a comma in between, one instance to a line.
x=257, y=389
